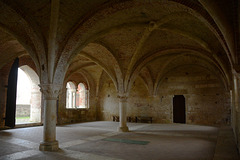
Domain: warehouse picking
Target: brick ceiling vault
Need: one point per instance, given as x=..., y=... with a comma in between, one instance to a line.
x=126, y=39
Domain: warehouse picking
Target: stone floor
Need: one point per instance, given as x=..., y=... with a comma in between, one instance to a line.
x=100, y=141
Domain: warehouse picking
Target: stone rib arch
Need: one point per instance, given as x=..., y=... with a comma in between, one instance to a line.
x=209, y=21
x=160, y=52
x=101, y=82
x=91, y=86
x=225, y=75
x=204, y=64
x=22, y=42
x=105, y=68
x=78, y=68
x=105, y=59
x=89, y=79
x=220, y=26
x=157, y=25
x=147, y=80
x=117, y=68
x=152, y=26
x=29, y=37
x=201, y=42
x=150, y=90
x=204, y=67
x=71, y=44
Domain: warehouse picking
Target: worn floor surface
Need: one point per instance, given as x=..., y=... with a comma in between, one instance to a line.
x=100, y=141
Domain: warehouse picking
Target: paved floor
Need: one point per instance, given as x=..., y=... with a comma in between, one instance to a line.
x=100, y=141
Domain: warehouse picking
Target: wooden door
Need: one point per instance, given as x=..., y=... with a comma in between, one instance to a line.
x=11, y=95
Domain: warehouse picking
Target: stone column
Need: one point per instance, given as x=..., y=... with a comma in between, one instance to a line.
x=70, y=99
x=235, y=106
x=236, y=96
x=74, y=98
x=123, y=114
x=236, y=115
x=50, y=93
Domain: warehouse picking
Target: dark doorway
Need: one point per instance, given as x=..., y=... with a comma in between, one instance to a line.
x=11, y=95
x=179, y=109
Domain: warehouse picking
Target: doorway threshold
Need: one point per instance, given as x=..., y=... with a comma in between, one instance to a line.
x=22, y=126
x=28, y=125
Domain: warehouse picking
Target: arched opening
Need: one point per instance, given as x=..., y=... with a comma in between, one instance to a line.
x=179, y=109
x=76, y=97
x=28, y=103
x=71, y=95
x=82, y=96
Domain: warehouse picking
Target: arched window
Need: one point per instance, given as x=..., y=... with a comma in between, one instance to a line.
x=76, y=98
x=82, y=96
x=71, y=95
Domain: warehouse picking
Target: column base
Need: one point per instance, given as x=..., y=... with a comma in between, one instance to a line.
x=123, y=129
x=49, y=146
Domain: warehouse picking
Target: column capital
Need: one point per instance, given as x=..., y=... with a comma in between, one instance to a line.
x=122, y=98
x=51, y=91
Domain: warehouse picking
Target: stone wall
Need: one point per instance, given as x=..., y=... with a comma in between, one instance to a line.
x=206, y=100
x=79, y=114
x=108, y=102
x=23, y=110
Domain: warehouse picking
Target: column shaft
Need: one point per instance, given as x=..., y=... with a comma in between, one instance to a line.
x=49, y=129
x=50, y=92
x=123, y=114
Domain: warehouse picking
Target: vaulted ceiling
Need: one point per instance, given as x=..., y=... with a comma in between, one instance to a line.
x=125, y=39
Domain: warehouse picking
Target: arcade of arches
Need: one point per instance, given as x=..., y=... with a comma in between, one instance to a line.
x=128, y=58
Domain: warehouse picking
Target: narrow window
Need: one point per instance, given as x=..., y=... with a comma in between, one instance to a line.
x=70, y=95
x=82, y=96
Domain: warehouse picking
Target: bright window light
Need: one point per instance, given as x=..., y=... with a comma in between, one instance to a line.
x=24, y=86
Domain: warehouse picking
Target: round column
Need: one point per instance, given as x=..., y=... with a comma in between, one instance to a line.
x=123, y=114
x=50, y=93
